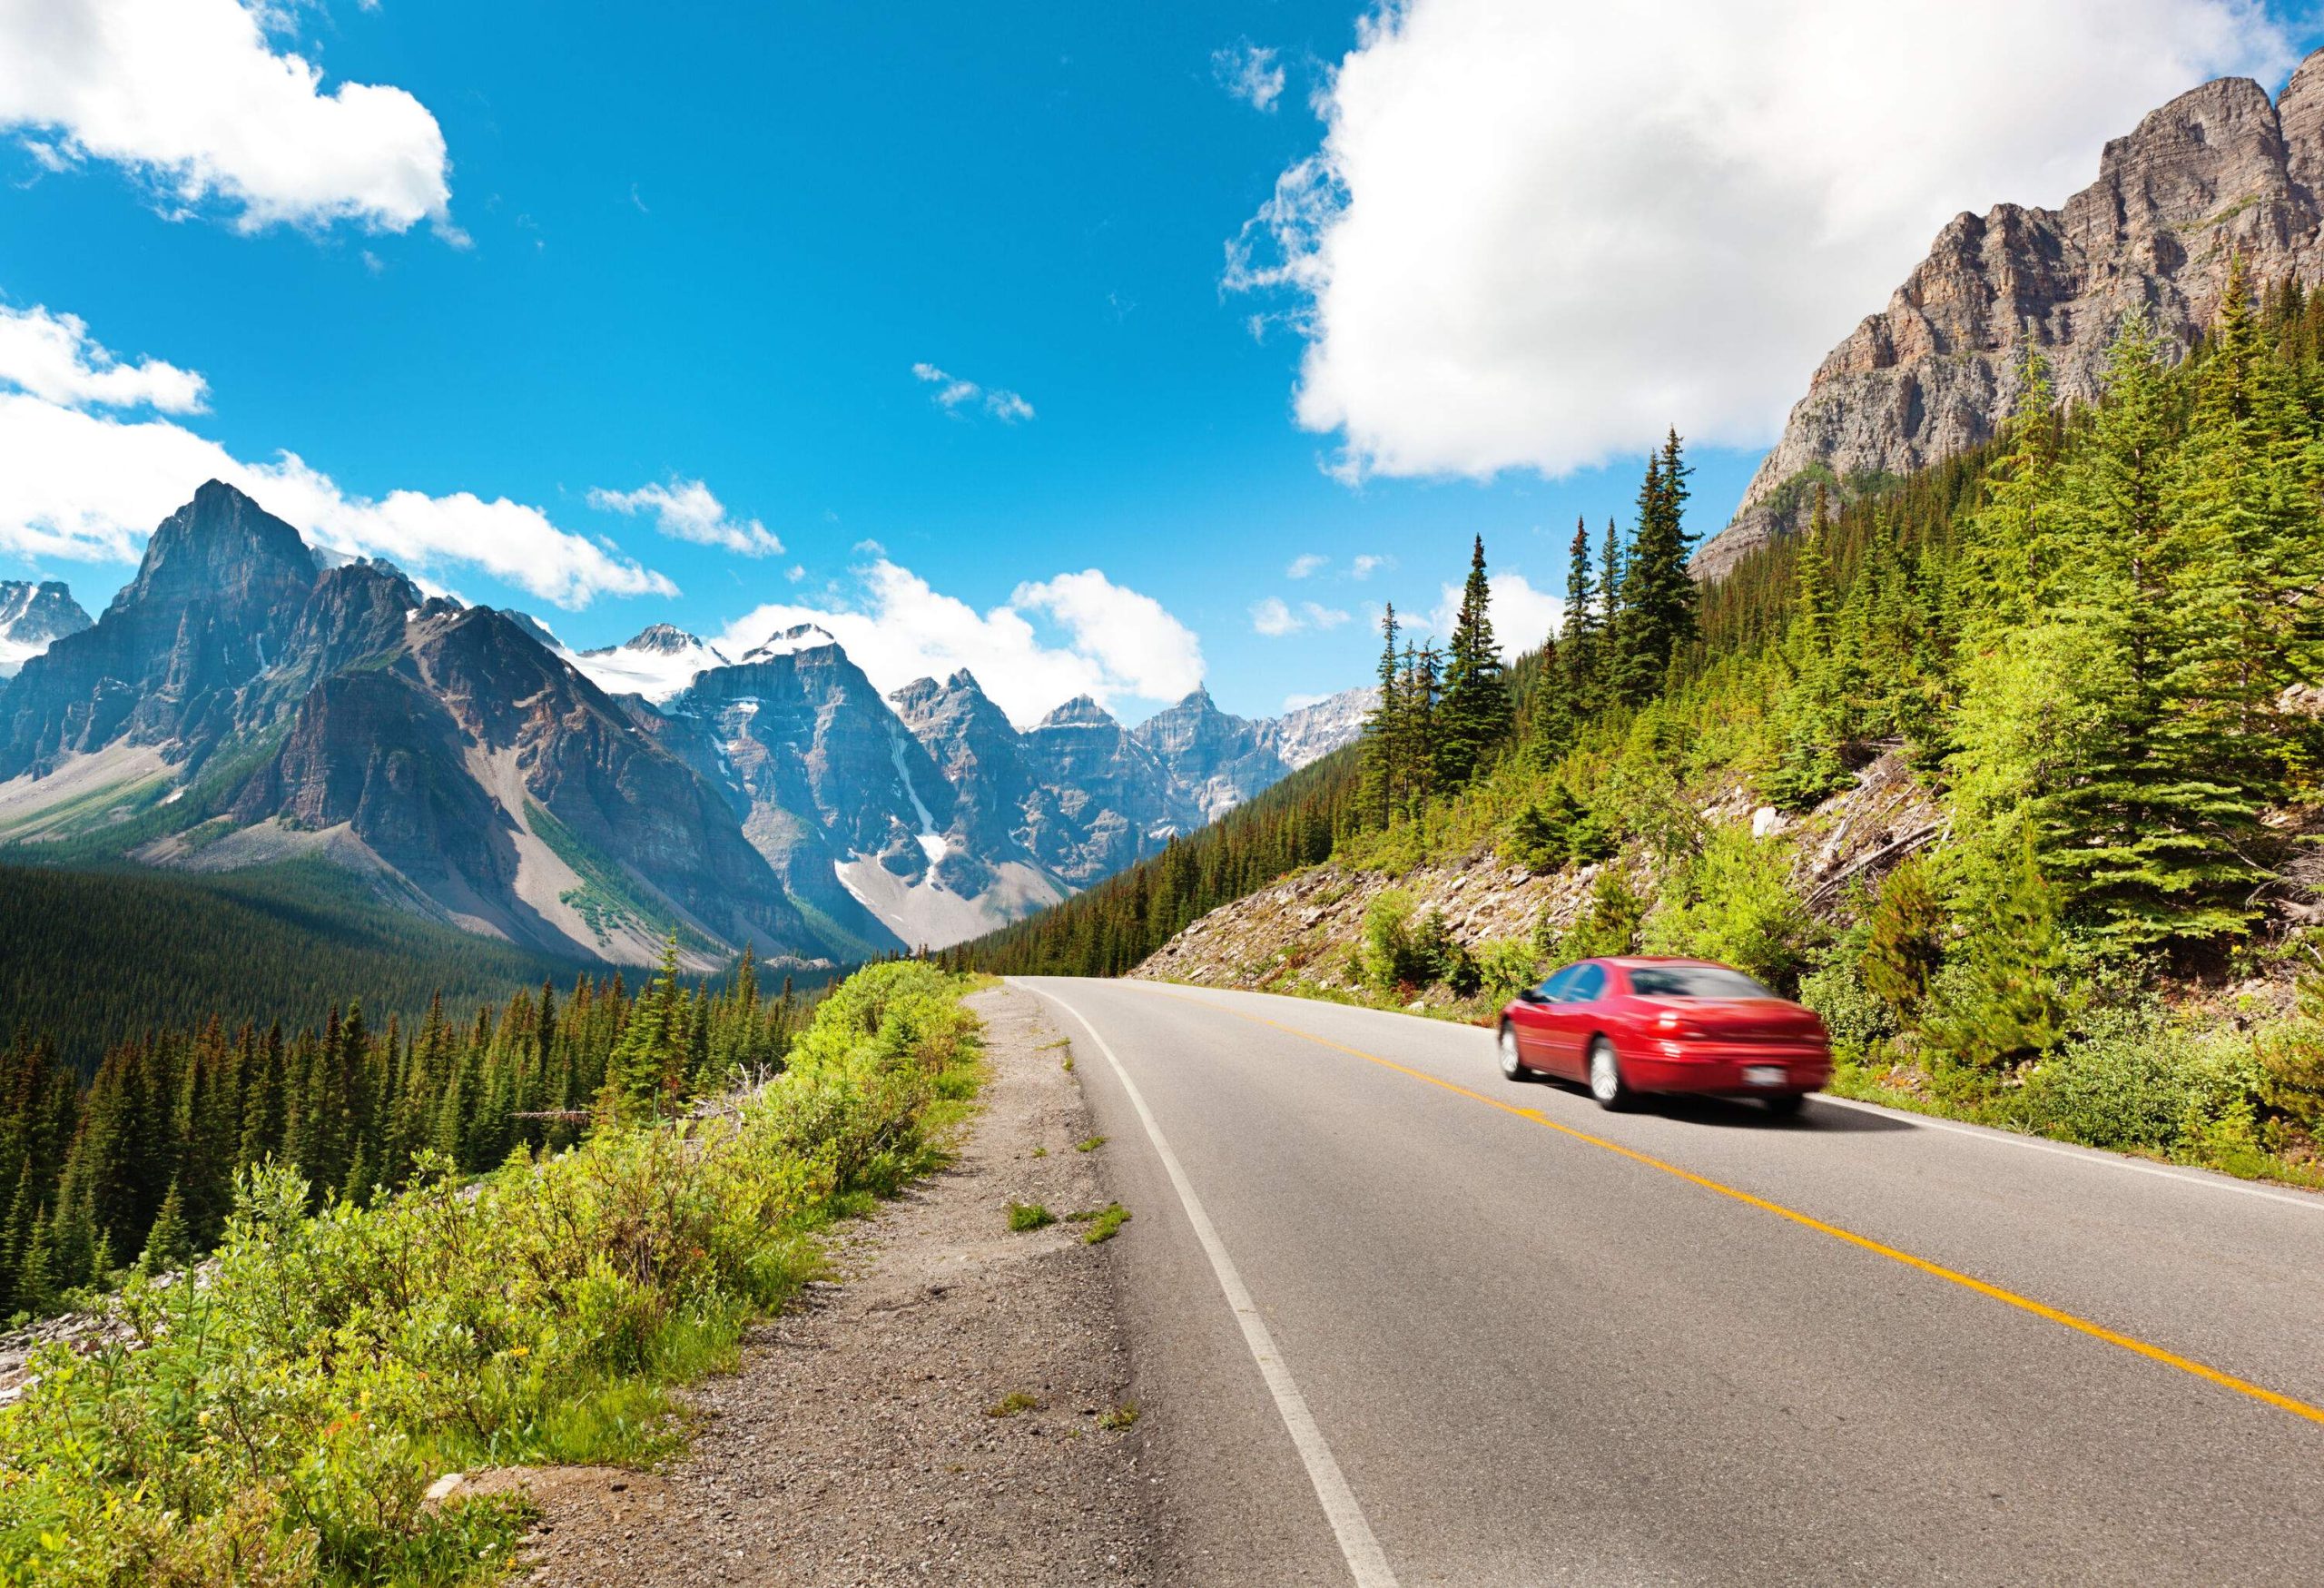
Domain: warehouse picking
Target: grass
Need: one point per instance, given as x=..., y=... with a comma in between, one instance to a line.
x=1025, y=1215
x=279, y=1426
x=1119, y=1417
x=1105, y=1223
x=1091, y=1145
x=1011, y=1404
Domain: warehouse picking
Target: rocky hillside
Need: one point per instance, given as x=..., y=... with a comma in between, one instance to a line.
x=244, y=701
x=31, y=617
x=2217, y=173
x=1298, y=934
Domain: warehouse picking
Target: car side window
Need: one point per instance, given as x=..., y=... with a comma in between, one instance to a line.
x=1555, y=988
x=1589, y=982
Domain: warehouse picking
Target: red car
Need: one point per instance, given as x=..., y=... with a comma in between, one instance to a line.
x=1632, y=1025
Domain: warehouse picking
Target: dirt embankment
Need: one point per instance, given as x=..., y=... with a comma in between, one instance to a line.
x=1300, y=930
x=949, y=1408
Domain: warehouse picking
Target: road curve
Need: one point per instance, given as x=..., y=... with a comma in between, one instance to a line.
x=1537, y=1343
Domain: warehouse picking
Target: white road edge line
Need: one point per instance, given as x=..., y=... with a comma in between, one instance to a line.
x=1366, y=1562
x=2095, y=1157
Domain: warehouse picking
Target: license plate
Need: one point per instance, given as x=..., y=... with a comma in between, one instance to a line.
x=1764, y=1075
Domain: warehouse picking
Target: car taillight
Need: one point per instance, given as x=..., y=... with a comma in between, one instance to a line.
x=1671, y=1023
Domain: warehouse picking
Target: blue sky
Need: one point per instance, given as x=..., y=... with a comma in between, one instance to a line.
x=711, y=244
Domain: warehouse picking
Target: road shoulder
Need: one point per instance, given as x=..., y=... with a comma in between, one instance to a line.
x=857, y=1442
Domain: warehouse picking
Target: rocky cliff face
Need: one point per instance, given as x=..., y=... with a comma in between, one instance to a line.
x=32, y=616
x=2217, y=173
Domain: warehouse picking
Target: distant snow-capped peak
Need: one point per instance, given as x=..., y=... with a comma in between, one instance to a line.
x=790, y=642
x=658, y=664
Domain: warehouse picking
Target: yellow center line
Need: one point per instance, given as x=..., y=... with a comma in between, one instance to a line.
x=2298, y=1408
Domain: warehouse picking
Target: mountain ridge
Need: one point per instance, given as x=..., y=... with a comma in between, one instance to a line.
x=244, y=701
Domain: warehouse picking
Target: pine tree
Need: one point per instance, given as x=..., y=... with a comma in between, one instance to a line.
x=1580, y=632
x=1381, y=750
x=648, y=1066
x=1659, y=594
x=167, y=1244
x=1476, y=717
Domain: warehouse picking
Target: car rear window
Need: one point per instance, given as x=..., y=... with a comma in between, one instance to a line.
x=1694, y=982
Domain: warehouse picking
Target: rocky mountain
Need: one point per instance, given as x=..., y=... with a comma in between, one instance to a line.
x=2220, y=172
x=238, y=704
x=32, y=617
x=1309, y=733
x=244, y=701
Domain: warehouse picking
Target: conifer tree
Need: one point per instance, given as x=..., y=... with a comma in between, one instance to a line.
x=1381, y=743
x=167, y=1244
x=1475, y=718
x=1657, y=594
x=1581, y=626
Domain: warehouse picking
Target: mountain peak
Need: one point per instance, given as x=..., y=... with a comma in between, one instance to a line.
x=665, y=638
x=2216, y=175
x=1082, y=712
x=797, y=638
x=32, y=617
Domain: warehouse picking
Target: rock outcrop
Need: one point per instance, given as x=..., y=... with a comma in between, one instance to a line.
x=2218, y=172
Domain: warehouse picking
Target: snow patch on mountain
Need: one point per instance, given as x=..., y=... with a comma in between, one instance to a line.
x=658, y=663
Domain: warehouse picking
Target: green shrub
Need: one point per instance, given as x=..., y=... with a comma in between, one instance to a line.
x=1387, y=949
x=1906, y=942
x=1506, y=966
x=1733, y=903
x=1857, y=1020
x=281, y=1424
x=1610, y=925
x=2008, y=993
x=2138, y=1083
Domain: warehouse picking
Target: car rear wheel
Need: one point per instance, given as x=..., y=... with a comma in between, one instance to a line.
x=1606, y=1082
x=1511, y=1065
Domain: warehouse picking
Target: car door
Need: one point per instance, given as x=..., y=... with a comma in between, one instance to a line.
x=1573, y=1018
x=1531, y=1017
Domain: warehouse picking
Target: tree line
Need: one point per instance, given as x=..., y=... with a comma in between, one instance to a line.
x=139, y=1166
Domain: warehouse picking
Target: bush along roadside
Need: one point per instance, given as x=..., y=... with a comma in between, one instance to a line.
x=279, y=1420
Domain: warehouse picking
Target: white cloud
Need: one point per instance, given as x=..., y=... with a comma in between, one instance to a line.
x=1522, y=617
x=684, y=510
x=1363, y=567
x=89, y=487
x=1132, y=636
x=1111, y=643
x=1275, y=617
x=1249, y=73
x=953, y=393
x=1306, y=564
x=1536, y=234
x=1299, y=702
x=52, y=356
x=192, y=96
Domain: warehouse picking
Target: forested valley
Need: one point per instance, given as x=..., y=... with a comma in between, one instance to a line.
x=140, y=1168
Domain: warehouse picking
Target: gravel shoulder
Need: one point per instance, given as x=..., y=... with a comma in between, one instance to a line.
x=858, y=1442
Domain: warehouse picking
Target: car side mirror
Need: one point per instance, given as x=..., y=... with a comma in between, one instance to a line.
x=1531, y=995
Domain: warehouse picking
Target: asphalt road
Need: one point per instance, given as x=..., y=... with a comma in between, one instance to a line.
x=1493, y=1335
